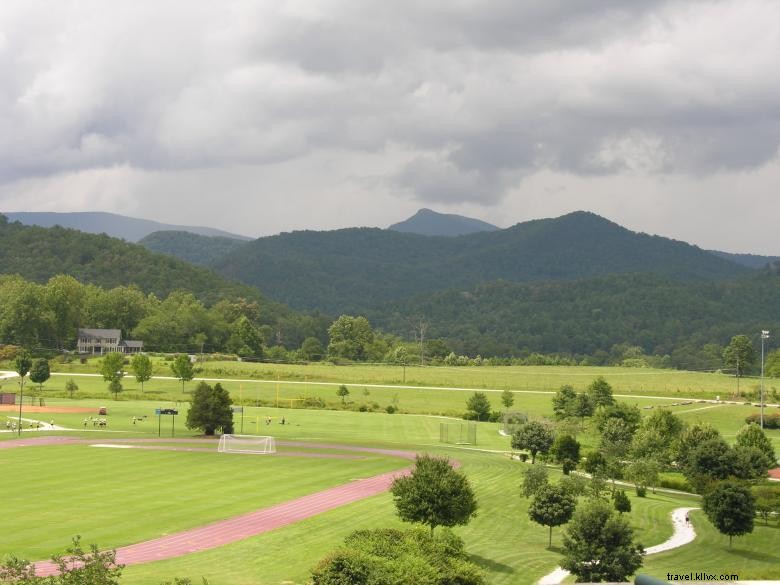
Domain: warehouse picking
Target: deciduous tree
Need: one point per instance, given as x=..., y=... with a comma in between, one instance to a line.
x=535, y=437
x=434, y=494
x=507, y=398
x=739, y=355
x=478, y=406
x=142, y=366
x=534, y=479
x=111, y=369
x=210, y=409
x=599, y=545
x=182, y=368
x=731, y=508
x=565, y=402
x=566, y=451
x=600, y=392
x=750, y=435
x=40, y=372
x=552, y=506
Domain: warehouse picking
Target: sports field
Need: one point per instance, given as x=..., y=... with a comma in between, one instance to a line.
x=120, y=496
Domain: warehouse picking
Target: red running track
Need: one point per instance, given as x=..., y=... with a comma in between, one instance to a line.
x=240, y=527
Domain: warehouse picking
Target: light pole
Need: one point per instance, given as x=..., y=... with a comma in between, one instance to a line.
x=764, y=335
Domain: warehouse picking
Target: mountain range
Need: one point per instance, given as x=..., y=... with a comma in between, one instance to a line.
x=577, y=284
x=131, y=229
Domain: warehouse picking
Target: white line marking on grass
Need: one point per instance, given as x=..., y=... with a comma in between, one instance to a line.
x=697, y=409
x=682, y=535
x=110, y=446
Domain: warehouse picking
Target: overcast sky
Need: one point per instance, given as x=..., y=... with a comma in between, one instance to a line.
x=261, y=117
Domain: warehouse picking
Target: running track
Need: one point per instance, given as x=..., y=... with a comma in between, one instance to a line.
x=244, y=526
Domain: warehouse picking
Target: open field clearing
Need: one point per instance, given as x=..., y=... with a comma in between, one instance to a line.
x=657, y=382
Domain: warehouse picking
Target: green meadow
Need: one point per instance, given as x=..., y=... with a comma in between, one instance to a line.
x=119, y=496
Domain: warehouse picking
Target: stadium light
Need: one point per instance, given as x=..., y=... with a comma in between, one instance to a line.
x=764, y=335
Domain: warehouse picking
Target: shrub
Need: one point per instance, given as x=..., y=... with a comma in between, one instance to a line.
x=495, y=416
x=675, y=483
x=641, y=491
x=390, y=409
x=771, y=420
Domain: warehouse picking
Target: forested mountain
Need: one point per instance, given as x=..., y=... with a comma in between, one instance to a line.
x=427, y=222
x=357, y=269
x=749, y=260
x=38, y=253
x=131, y=229
x=131, y=276
x=194, y=248
x=586, y=318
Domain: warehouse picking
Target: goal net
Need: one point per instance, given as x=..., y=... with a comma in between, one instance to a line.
x=458, y=433
x=246, y=444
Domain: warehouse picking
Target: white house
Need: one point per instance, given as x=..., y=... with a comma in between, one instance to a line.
x=100, y=341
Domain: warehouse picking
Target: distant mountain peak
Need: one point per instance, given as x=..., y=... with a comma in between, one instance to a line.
x=427, y=222
x=131, y=229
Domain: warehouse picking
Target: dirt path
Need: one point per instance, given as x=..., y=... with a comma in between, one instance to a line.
x=683, y=534
x=246, y=525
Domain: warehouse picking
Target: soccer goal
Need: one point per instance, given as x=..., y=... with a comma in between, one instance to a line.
x=246, y=444
x=458, y=433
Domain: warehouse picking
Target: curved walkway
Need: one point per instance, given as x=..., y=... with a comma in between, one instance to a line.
x=683, y=534
x=239, y=527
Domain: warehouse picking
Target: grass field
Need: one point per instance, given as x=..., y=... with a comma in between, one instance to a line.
x=657, y=382
x=115, y=497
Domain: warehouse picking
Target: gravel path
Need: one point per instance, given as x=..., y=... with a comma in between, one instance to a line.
x=683, y=534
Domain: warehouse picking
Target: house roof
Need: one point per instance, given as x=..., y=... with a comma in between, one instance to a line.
x=114, y=333
x=131, y=343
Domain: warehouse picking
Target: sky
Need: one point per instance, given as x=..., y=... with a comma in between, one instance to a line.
x=269, y=116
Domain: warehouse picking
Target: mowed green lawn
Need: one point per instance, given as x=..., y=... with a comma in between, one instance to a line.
x=657, y=382
x=752, y=557
x=124, y=496
x=121, y=496
x=501, y=539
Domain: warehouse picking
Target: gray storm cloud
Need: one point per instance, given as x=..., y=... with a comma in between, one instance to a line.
x=465, y=100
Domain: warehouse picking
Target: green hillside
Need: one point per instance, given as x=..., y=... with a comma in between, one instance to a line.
x=359, y=269
x=194, y=248
x=588, y=317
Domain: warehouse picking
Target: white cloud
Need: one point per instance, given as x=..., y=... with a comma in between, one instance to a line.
x=460, y=103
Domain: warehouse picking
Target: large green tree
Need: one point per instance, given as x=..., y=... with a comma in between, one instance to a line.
x=565, y=402
x=753, y=436
x=552, y=506
x=142, y=367
x=566, y=451
x=731, y=508
x=350, y=338
x=739, y=355
x=599, y=545
x=210, y=409
x=434, y=493
x=600, y=392
x=534, y=436
x=183, y=369
x=40, y=372
x=478, y=406
x=111, y=369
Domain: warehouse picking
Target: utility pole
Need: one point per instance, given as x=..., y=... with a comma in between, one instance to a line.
x=423, y=327
x=764, y=335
